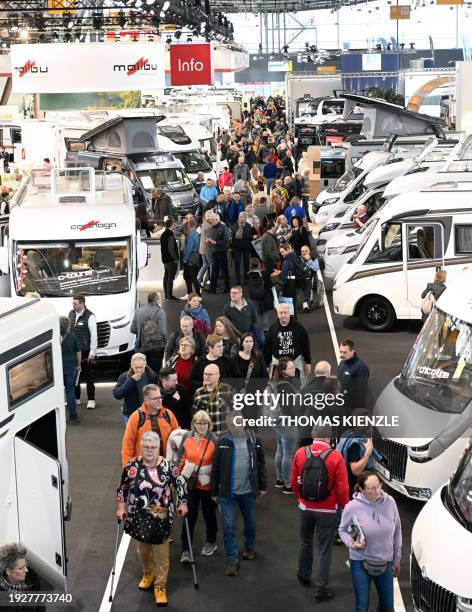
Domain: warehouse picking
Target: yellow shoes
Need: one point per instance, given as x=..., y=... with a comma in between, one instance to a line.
x=147, y=580
x=160, y=593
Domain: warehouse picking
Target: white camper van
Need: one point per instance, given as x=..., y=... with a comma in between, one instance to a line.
x=173, y=139
x=73, y=231
x=384, y=280
x=441, y=545
x=34, y=479
x=431, y=398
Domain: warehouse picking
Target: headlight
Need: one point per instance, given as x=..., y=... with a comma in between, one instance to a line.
x=419, y=454
x=351, y=249
x=329, y=228
x=335, y=250
x=330, y=201
x=464, y=604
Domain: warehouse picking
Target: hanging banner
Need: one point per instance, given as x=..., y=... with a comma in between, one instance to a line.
x=75, y=67
x=191, y=64
x=400, y=12
x=62, y=5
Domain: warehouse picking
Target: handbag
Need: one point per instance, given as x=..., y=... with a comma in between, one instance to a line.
x=375, y=568
x=192, y=481
x=148, y=524
x=194, y=259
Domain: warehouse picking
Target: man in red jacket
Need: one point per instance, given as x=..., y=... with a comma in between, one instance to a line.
x=319, y=515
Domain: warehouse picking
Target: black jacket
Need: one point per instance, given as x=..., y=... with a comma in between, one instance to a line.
x=243, y=319
x=181, y=408
x=172, y=346
x=246, y=240
x=222, y=236
x=131, y=391
x=353, y=376
x=222, y=476
x=169, y=251
x=196, y=373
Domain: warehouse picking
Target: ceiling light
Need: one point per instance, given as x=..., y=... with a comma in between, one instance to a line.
x=23, y=35
x=168, y=40
x=177, y=35
x=165, y=6
x=189, y=39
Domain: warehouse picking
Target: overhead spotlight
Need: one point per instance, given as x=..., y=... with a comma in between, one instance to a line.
x=138, y=3
x=189, y=39
x=122, y=20
x=165, y=6
x=156, y=20
x=412, y=45
x=67, y=37
x=68, y=20
x=285, y=48
x=97, y=21
x=378, y=47
x=389, y=46
x=55, y=36
x=402, y=46
x=168, y=40
x=151, y=2
x=177, y=34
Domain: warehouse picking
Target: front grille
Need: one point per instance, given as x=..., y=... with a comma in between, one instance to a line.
x=395, y=455
x=103, y=333
x=427, y=595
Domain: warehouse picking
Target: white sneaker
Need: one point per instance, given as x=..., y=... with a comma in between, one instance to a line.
x=91, y=404
x=306, y=308
x=208, y=549
x=185, y=558
x=184, y=297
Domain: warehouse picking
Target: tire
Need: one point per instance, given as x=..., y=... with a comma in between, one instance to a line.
x=377, y=314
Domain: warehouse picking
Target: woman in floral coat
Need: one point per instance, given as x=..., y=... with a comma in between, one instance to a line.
x=144, y=501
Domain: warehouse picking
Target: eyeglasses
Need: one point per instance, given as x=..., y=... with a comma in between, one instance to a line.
x=150, y=448
x=158, y=398
x=373, y=489
x=202, y=423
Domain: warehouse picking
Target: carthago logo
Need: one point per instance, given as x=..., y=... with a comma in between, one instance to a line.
x=142, y=65
x=92, y=224
x=31, y=68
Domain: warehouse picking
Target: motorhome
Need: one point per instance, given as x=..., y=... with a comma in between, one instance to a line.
x=175, y=140
x=74, y=231
x=439, y=565
x=431, y=399
x=454, y=162
x=34, y=479
x=398, y=256
x=10, y=137
x=129, y=145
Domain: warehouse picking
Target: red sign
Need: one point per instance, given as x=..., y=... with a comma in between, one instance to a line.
x=333, y=139
x=191, y=64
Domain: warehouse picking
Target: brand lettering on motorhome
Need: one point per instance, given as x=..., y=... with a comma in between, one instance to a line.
x=433, y=372
x=141, y=65
x=189, y=65
x=30, y=67
x=92, y=224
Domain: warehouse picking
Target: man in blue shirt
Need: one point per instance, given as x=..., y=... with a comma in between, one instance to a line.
x=269, y=172
x=208, y=192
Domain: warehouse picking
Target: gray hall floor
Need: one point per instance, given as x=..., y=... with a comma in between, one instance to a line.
x=267, y=582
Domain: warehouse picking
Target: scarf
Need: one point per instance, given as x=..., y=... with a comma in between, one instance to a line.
x=6, y=586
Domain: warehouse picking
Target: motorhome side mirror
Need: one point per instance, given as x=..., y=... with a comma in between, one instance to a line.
x=4, y=267
x=142, y=249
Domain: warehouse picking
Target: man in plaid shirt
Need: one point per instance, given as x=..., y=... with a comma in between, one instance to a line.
x=214, y=397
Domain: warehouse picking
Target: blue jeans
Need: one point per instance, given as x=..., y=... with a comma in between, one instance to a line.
x=361, y=582
x=207, y=263
x=227, y=507
x=69, y=384
x=286, y=446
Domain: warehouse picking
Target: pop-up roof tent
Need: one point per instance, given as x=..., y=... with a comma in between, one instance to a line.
x=383, y=118
x=126, y=135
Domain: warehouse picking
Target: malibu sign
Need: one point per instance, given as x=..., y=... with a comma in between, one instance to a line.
x=191, y=64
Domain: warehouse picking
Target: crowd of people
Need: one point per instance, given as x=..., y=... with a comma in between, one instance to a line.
x=186, y=442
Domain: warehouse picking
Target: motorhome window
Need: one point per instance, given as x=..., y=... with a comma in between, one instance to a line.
x=193, y=161
x=209, y=145
x=328, y=108
x=346, y=178
x=16, y=136
x=356, y=192
x=169, y=179
x=463, y=239
x=62, y=269
x=73, y=145
x=113, y=165
x=332, y=168
x=390, y=247
x=29, y=377
x=438, y=372
x=460, y=489
x=171, y=131
x=420, y=240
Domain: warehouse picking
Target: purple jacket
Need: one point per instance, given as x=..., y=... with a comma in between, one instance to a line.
x=380, y=523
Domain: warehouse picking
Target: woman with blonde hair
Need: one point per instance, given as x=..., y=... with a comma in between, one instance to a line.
x=195, y=462
x=229, y=334
x=183, y=362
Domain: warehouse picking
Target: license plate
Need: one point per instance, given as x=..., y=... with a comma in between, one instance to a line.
x=382, y=470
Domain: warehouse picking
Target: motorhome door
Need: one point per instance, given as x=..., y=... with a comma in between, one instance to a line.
x=41, y=511
x=423, y=253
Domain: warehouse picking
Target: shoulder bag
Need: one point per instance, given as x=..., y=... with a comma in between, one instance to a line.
x=192, y=481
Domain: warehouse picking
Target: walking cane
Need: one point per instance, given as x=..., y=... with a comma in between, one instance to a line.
x=190, y=550
x=110, y=599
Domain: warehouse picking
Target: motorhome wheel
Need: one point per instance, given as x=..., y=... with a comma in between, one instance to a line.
x=376, y=314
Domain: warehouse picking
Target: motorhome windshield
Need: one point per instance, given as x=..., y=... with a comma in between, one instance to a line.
x=460, y=490
x=345, y=179
x=438, y=372
x=193, y=161
x=168, y=179
x=209, y=146
x=90, y=267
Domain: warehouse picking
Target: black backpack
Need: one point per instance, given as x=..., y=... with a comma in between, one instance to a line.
x=313, y=484
x=255, y=283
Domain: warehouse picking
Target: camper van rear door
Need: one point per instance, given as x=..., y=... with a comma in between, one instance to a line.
x=41, y=512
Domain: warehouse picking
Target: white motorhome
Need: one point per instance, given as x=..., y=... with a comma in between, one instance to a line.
x=73, y=231
x=174, y=139
x=34, y=480
x=431, y=399
x=398, y=257
x=439, y=564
